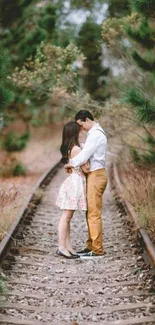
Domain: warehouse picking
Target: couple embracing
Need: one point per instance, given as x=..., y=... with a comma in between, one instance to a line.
x=84, y=187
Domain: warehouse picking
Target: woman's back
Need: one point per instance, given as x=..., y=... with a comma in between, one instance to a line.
x=72, y=194
x=75, y=151
x=83, y=169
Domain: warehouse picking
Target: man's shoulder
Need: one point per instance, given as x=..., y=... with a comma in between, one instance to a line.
x=99, y=130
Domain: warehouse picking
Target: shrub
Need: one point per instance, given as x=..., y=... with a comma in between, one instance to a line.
x=19, y=169
x=8, y=203
x=13, y=142
x=139, y=190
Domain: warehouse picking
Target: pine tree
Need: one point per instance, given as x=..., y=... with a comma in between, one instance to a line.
x=87, y=4
x=95, y=73
x=25, y=24
x=143, y=99
x=118, y=8
x=6, y=93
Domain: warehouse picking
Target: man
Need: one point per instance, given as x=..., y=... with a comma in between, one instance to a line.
x=94, y=150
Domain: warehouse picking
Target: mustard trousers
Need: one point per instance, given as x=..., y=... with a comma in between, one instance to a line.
x=96, y=184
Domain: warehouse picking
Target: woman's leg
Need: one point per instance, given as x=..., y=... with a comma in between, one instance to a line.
x=68, y=241
x=64, y=230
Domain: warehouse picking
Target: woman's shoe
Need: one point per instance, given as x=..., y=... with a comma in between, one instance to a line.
x=58, y=252
x=73, y=254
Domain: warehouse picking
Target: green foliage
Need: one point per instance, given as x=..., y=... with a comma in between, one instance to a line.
x=114, y=30
x=87, y=4
x=140, y=29
x=146, y=62
x=64, y=36
x=144, y=107
x=149, y=158
x=51, y=67
x=6, y=94
x=144, y=102
x=94, y=76
x=10, y=11
x=33, y=25
x=48, y=18
x=13, y=142
x=150, y=140
x=143, y=159
x=19, y=170
x=118, y=8
x=135, y=156
x=145, y=7
x=26, y=27
x=33, y=38
x=143, y=34
x=145, y=111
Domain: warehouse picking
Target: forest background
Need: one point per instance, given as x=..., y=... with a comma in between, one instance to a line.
x=57, y=57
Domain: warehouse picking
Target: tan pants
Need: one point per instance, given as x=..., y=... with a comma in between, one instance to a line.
x=96, y=184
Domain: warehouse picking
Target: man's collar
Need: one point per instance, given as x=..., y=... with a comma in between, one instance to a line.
x=95, y=126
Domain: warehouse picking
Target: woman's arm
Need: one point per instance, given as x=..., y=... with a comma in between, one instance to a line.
x=75, y=151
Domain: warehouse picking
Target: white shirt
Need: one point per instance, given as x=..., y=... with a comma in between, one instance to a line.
x=94, y=149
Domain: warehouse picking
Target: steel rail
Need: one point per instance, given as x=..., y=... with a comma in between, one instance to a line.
x=142, y=236
x=10, y=236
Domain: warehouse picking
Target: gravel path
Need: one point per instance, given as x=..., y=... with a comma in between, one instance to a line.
x=46, y=289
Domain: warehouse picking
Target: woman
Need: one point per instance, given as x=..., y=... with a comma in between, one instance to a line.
x=72, y=193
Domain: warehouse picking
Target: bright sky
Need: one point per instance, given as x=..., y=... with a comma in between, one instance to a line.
x=79, y=16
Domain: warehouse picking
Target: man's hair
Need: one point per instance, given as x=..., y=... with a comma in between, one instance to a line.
x=82, y=115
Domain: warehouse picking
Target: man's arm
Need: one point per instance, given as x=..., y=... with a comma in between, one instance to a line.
x=89, y=148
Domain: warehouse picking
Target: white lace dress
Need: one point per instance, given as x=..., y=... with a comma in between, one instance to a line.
x=72, y=193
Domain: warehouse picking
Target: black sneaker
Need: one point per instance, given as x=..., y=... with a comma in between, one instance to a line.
x=84, y=251
x=90, y=255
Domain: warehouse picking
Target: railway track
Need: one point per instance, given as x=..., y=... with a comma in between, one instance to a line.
x=44, y=289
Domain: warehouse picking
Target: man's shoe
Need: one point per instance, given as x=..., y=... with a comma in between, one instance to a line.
x=84, y=251
x=91, y=255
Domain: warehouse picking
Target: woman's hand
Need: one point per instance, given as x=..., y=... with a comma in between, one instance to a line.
x=68, y=168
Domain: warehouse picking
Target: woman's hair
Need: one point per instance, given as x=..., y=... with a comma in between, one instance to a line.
x=70, y=138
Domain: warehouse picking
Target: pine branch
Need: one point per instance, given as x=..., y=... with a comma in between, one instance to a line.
x=145, y=108
x=145, y=7
x=6, y=96
x=147, y=131
x=150, y=141
x=134, y=147
x=143, y=35
x=143, y=62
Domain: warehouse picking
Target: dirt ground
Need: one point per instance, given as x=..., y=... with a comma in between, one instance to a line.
x=41, y=153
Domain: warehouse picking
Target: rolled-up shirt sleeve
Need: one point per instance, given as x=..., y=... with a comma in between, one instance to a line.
x=89, y=148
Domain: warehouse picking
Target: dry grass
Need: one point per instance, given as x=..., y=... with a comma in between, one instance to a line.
x=12, y=198
x=7, y=202
x=139, y=190
x=139, y=184
x=42, y=153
